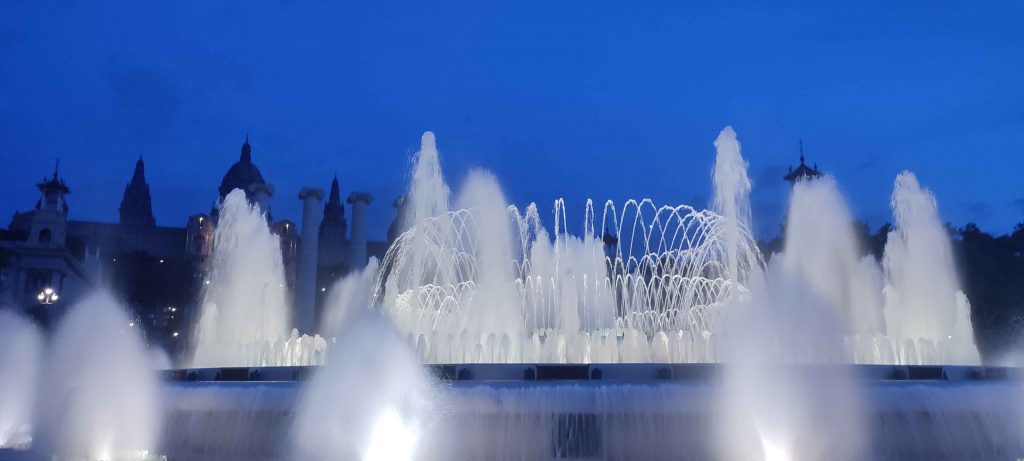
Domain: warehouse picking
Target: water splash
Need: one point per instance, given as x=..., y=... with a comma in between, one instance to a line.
x=21, y=348
x=101, y=394
x=245, y=316
x=924, y=305
x=732, y=196
x=823, y=253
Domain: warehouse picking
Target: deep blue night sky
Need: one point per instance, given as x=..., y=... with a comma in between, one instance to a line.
x=571, y=99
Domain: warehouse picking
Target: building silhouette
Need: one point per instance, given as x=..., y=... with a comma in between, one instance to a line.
x=44, y=248
x=802, y=171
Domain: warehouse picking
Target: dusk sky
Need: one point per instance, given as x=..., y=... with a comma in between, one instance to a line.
x=558, y=99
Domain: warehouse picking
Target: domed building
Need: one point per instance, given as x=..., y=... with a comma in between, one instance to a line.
x=246, y=176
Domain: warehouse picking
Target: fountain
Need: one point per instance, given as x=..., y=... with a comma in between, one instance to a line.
x=486, y=283
x=924, y=307
x=246, y=316
x=21, y=348
x=652, y=332
x=100, y=396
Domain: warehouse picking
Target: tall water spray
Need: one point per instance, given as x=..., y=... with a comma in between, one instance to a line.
x=923, y=299
x=101, y=394
x=790, y=315
x=21, y=348
x=793, y=319
x=245, y=309
x=428, y=192
x=822, y=252
x=495, y=307
x=732, y=196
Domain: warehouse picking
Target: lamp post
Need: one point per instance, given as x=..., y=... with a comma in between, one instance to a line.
x=47, y=296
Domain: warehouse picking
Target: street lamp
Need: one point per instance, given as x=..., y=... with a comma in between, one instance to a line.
x=47, y=296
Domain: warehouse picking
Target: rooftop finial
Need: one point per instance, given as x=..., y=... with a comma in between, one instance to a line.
x=56, y=167
x=246, y=150
x=801, y=151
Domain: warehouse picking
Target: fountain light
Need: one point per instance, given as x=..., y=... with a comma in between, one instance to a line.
x=773, y=451
x=391, y=438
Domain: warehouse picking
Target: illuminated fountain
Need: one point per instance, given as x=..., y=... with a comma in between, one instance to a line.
x=549, y=344
x=924, y=306
x=485, y=282
x=21, y=351
x=100, y=397
x=246, y=316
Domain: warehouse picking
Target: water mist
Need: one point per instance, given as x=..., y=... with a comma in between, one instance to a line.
x=787, y=392
x=21, y=348
x=823, y=253
x=245, y=307
x=101, y=394
x=368, y=402
x=923, y=299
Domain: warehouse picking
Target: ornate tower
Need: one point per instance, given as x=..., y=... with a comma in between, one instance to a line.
x=802, y=172
x=333, y=226
x=49, y=223
x=137, y=206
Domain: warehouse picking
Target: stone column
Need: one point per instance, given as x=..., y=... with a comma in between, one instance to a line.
x=357, y=244
x=305, y=289
x=260, y=195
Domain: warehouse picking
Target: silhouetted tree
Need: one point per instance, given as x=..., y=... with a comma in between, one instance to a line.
x=992, y=273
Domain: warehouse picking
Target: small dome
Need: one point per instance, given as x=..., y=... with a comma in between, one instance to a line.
x=242, y=174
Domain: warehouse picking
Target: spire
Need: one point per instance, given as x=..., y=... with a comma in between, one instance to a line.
x=335, y=196
x=332, y=228
x=54, y=183
x=140, y=172
x=802, y=171
x=136, y=205
x=246, y=150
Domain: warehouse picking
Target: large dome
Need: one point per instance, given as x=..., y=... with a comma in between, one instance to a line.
x=242, y=174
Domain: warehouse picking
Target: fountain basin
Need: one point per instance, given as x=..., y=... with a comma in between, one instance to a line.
x=614, y=411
